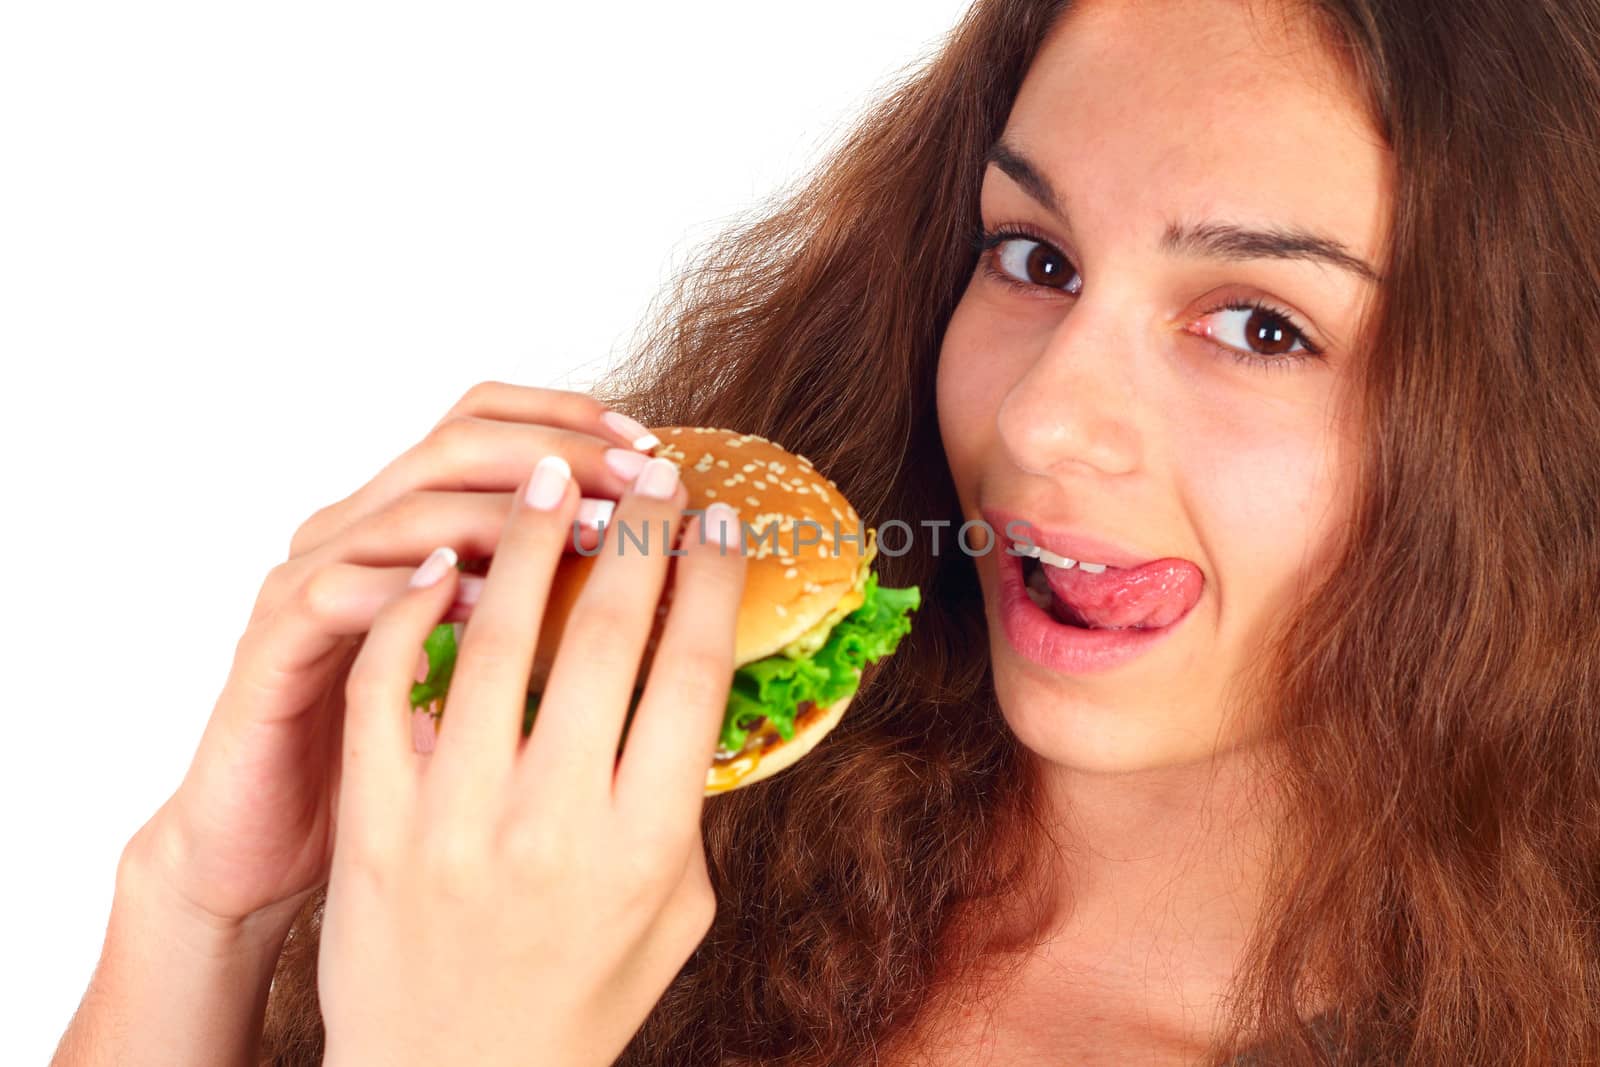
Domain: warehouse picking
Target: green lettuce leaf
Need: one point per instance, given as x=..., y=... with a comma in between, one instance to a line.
x=773, y=688
x=441, y=649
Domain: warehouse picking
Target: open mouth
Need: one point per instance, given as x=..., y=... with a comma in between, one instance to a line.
x=1039, y=591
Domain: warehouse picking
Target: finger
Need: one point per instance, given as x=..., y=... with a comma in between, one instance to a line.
x=669, y=746
x=473, y=454
x=378, y=765
x=405, y=531
x=481, y=730
x=557, y=407
x=285, y=659
x=591, y=680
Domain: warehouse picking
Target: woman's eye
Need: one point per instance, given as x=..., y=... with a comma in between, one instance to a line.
x=1255, y=329
x=1026, y=262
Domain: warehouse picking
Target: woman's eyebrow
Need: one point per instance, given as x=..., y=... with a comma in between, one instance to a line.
x=1218, y=240
x=1022, y=171
x=1222, y=240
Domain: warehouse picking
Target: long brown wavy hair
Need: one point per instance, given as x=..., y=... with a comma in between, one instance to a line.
x=1437, y=881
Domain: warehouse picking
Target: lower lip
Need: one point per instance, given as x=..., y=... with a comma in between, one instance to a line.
x=1062, y=648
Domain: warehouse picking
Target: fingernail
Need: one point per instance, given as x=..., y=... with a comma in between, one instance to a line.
x=424, y=733
x=630, y=431
x=592, y=512
x=548, y=484
x=422, y=668
x=624, y=464
x=470, y=588
x=658, y=479
x=723, y=523
x=436, y=566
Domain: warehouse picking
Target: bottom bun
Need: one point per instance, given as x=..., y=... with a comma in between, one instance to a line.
x=758, y=760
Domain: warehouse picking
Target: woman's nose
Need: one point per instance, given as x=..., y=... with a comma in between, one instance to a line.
x=1075, y=405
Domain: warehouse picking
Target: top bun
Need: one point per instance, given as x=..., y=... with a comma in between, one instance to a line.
x=805, y=543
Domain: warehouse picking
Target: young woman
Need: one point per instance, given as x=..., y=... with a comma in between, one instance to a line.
x=1300, y=298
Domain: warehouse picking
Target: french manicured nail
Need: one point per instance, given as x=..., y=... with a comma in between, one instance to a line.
x=549, y=483
x=470, y=588
x=436, y=566
x=624, y=464
x=658, y=479
x=723, y=524
x=592, y=511
x=630, y=431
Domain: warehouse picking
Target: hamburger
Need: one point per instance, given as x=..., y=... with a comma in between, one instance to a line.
x=812, y=618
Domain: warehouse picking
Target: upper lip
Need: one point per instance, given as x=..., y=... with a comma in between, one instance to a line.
x=1073, y=544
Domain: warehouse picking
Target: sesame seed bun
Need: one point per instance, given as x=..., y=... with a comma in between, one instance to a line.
x=790, y=586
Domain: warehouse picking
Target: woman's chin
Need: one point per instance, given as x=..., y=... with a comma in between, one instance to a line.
x=1101, y=731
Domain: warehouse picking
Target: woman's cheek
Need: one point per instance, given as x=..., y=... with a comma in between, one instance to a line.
x=968, y=388
x=1269, y=503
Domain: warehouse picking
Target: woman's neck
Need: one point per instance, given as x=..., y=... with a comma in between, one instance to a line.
x=1160, y=874
x=1162, y=855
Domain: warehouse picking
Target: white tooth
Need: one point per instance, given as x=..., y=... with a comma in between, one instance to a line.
x=1092, y=568
x=1032, y=551
x=1047, y=556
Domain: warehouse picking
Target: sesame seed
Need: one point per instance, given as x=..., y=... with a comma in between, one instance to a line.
x=752, y=501
x=759, y=484
x=733, y=442
x=748, y=467
x=791, y=572
x=711, y=493
x=722, y=463
x=729, y=481
x=780, y=609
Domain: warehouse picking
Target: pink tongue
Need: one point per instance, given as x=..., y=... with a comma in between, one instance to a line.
x=1151, y=595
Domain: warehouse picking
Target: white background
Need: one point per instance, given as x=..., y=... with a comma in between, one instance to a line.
x=249, y=254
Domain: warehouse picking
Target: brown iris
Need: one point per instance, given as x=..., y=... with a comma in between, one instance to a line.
x=1268, y=334
x=1046, y=267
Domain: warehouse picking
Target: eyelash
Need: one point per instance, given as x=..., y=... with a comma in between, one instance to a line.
x=985, y=241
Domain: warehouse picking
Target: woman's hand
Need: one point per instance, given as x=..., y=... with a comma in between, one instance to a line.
x=502, y=901
x=248, y=835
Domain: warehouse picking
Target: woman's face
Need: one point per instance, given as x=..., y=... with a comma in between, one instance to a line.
x=1198, y=155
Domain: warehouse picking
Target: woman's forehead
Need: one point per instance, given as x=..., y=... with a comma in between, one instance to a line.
x=1168, y=112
